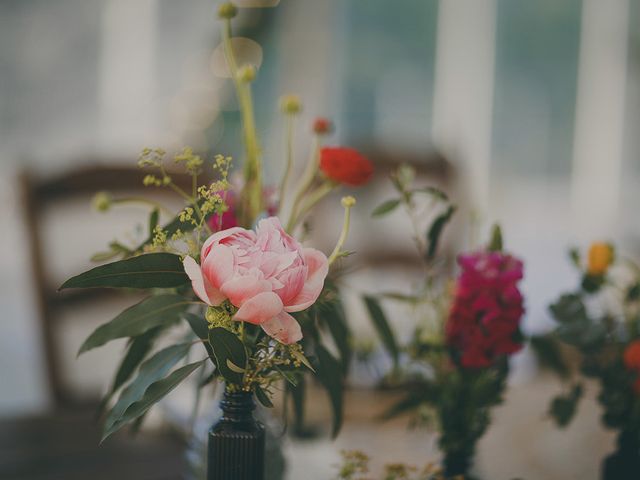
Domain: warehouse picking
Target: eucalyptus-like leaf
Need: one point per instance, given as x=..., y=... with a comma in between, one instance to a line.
x=382, y=327
x=151, y=371
x=200, y=328
x=152, y=270
x=329, y=374
x=496, y=242
x=386, y=207
x=227, y=347
x=332, y=313
x=435, y=231
x=433, y=191
x=154, y=216
x=138, y=349
x=563, y=407
x=152, y=395
x=151, y=312
x=263, y=398
x=411, y=402
x=401, y=297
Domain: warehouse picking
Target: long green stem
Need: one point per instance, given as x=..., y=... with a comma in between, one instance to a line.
x=289, y=161
x=307, y=177
x=315, y=196
x=347, y=203
x=251, y=195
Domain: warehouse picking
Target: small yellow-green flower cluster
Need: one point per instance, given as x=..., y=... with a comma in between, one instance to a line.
x=151, y=157
x=151, y=180
x=159, y=238
x=222, y=164
x=186, y=215
x=102, y=201
x=222, y=316
x=192, y=162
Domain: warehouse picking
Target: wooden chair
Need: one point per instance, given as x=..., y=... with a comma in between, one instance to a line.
x=38, y=191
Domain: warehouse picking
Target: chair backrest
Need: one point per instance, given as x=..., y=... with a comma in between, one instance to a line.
x=41, y=194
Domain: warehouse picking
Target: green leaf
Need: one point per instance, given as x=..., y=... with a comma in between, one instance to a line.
x=592, y=283
x=495, y=244
x=436, y=192
x=332, y=313
x=227, y=347
x=574, y=256
x=234, y=368
x=329, y=374
x=382, y=327
x=386, y=207
x=297, y=397
x=153, y=270
x=152, y=395
x=151, y=371
x=150, y=313
x=137, y=351
x=549, y=355
x=401, y=297
x=633, y=293
x=200, y=328
x=198, y=324
x=563, y=407
x=291, y=377
x=263, y=398
x=412, y=401
x=434, y=233
x=104, y=256
x=153, y=221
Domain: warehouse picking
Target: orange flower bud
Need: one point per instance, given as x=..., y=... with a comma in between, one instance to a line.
x=600, y=258
x=322, y=126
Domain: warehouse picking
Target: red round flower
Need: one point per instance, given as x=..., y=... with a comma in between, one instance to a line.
x=632, y=355
x=345, y=165
x=484, y=319
x=322, y=126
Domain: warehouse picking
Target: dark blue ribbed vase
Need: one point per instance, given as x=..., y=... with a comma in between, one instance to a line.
x=236, y=442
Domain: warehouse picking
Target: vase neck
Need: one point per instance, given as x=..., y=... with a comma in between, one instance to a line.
x=237, y=406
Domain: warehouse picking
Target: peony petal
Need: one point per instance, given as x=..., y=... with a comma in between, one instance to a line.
x=243, y=236
x=318, y=266
x=203, y=289
x=283, y=328
x=241, y=288
x=292, y=281
x=260, y=308
x=218, y=267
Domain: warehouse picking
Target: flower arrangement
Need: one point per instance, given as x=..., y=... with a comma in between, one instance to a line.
x=227, y=274
x=457, y=362
x=600, y=321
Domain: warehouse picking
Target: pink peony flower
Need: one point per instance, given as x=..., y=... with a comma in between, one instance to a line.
x=267, y=274
x=485, y=316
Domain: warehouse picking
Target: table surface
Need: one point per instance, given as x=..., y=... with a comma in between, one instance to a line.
x=65, y=446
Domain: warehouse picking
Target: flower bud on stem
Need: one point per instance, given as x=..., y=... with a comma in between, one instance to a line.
x=290, y=105
x=307, y=179
x=347, y=203
x=251, y=195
